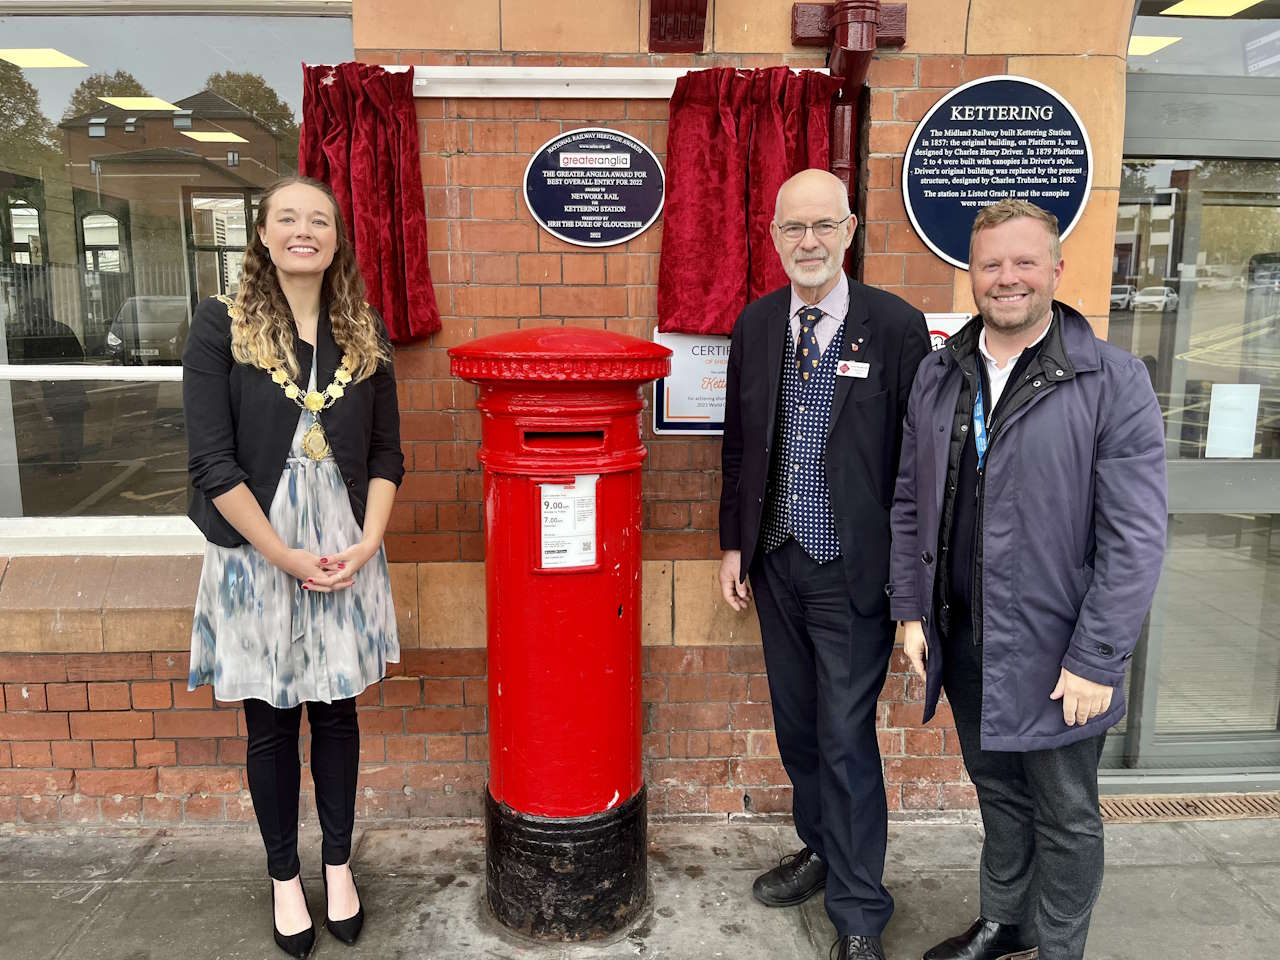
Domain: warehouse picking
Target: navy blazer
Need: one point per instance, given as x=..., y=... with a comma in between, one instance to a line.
x=240, y=424
x=864, y=432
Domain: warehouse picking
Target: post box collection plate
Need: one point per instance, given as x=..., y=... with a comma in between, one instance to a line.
x=568, y=522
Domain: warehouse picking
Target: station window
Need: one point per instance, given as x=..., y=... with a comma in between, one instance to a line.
x=113, y=224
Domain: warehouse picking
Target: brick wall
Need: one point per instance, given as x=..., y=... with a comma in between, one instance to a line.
x=95, y=721
x=495, y=270
x=116, y=738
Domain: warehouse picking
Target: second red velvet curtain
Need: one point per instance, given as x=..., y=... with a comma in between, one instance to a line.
x=734, y=137
x=360, y=136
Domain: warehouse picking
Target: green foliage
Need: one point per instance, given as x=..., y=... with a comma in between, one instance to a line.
x=84, y=99
x=250, y=91
x=27, y=137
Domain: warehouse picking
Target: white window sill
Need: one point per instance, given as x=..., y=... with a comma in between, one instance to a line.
x=99, y=536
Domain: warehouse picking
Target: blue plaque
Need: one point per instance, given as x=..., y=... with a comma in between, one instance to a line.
x=594, y=187
x=992, y=138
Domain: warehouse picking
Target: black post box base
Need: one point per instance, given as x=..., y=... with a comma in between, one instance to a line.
x=569, y=879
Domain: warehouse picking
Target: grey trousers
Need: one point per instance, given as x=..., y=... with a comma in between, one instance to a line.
x=1043, y=854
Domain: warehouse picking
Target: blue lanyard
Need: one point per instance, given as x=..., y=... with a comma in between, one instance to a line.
x=979, y=425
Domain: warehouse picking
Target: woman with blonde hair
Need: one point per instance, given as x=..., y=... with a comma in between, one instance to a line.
x=294, y=456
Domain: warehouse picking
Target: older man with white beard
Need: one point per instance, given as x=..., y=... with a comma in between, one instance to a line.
x=819, y=375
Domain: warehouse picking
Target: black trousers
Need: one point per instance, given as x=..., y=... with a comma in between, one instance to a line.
x=826, y=668
x=1042, y=857
x=275, y=773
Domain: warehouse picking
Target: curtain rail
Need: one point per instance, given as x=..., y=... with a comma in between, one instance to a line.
x=617, y=83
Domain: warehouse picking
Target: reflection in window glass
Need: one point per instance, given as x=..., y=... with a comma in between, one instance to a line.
x=114, y=223
x=80, y=162
x=1221, y=580
x=1196, y=296
x=100, y=448
x=26, y=224
x=1246, y=44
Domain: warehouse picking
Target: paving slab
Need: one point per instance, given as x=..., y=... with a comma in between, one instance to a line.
x=1192, y=910
x=1153, y=845
x=1263, y=881
x=1238, y=841
x=41, y=919
x=940, y=846
x=1172, y=890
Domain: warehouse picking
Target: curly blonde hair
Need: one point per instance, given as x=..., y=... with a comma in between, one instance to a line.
x=262, y=327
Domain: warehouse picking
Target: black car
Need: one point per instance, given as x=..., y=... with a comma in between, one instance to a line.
x=149, y=330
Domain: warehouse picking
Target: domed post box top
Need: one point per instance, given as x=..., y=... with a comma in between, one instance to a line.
x=560, y=354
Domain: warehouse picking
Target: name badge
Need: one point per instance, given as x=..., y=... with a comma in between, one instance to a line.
x=853, y=368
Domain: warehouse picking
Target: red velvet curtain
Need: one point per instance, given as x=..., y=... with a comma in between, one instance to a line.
x=360, y=136
x=734, y=137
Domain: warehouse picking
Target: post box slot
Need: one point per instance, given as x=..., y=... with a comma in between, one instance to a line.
x=564, y=439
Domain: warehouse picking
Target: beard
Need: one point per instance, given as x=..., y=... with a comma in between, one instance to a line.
x=806, y=270
x=1014, y=318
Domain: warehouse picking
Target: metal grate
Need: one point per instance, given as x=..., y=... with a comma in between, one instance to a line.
x=1231, y=806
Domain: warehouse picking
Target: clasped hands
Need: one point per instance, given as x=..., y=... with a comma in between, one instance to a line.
x=1082, y=699
x=325, y=574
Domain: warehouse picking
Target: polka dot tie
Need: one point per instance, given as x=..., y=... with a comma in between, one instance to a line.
x=807, y=352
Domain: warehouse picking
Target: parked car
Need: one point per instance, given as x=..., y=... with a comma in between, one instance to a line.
x=1122, y=296
x=1219, y=280
x=149, y=329
x=1155, y=298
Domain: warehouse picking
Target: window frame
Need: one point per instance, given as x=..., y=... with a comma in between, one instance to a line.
x=125, y=534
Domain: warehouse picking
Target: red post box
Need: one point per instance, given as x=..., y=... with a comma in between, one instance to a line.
x=565, y=818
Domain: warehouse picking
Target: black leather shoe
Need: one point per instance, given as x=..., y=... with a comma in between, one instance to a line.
x=858, y=948
x=796, y=878
x=294, y=944
x=347, y=930
x=987, y=940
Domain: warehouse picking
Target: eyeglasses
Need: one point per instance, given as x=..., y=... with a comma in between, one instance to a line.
x=823, y=229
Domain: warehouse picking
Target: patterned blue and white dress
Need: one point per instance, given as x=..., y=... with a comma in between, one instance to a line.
x=257, y=634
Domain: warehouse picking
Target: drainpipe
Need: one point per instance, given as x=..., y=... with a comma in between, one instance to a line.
x=853, y=26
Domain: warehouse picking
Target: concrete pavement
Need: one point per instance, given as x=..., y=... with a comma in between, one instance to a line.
x=1208, y=889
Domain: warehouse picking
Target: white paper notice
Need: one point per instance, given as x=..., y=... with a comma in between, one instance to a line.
x=1233, y=418
x=569, y=523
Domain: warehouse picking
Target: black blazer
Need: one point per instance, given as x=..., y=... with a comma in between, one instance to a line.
x=864, y=435
x=240, y=424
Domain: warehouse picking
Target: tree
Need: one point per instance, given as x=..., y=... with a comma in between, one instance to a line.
x=84, y=99
x=26, y=135
x=250, y=91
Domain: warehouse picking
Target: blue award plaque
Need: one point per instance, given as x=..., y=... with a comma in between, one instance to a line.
x=989, y=139
x=594, y=187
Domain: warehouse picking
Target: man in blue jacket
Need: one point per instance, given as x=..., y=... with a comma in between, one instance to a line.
x=1028, y=532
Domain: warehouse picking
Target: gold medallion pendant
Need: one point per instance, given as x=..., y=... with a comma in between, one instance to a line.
x=314, y=443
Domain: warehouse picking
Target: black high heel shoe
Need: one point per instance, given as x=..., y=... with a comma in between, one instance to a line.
x=295, y=944
x=347, y=930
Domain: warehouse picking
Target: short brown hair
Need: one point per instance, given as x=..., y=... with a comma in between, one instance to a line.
x=1002, y=211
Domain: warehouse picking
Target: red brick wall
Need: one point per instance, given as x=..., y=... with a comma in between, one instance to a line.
x=903, y=88
x=495, y=270
x=116, y=738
